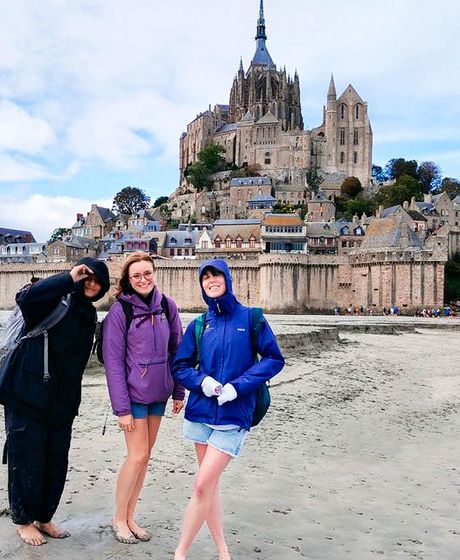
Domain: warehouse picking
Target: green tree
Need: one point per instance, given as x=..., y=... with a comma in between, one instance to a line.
x=429, y=175
x=211, y=158
x=160, y=200
x=314, y=180
x=404, y=189
x=348, y=208
x=130, y=200
x=59, y=233
x=199, y=175
x=450, y=186
x=452, y=280
x=398, y=167
x=351, y=187
x=379, y=174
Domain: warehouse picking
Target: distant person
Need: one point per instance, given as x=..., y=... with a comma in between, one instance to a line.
x=222, y=385
x=39, y=427
x=137, y=358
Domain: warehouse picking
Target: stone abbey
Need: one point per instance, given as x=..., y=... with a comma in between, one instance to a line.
x=262, y=125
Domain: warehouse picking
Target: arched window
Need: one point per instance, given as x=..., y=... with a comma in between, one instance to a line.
x=357, y=111
x=342, y=111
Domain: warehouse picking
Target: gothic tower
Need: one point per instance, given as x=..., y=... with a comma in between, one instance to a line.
x=264, y=89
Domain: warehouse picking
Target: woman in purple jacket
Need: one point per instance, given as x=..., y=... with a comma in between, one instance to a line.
x=141, y=334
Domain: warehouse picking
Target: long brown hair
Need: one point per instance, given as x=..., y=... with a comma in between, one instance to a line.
x=123, y=285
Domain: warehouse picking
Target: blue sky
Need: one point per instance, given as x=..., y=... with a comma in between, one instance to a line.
x=94, y=94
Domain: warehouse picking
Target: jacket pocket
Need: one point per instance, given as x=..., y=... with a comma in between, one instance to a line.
x=152, y=379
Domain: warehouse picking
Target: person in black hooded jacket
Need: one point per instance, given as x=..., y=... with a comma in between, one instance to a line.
x=39, y=434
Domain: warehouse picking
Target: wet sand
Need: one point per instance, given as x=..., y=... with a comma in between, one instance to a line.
x=358, y=457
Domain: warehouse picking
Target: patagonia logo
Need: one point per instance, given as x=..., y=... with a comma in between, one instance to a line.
x=240, y=329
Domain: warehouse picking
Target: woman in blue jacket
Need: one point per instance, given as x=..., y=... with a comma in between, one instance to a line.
x=222, y=386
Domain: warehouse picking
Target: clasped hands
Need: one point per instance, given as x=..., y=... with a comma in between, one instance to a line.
x=212, y=388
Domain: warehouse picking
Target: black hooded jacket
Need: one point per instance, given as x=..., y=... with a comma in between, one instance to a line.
x=69, y=341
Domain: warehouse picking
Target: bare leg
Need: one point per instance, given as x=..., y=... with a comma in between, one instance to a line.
x=30, y=535
x=153, y=425
x=215, y=519
x=198, y=510
x=135, y=463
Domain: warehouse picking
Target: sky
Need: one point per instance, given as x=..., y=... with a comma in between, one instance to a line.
x=94, y=94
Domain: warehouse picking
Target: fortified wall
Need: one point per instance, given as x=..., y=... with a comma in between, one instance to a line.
x=285, y=283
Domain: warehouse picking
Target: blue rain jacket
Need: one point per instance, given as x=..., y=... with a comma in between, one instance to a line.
x=226, y=355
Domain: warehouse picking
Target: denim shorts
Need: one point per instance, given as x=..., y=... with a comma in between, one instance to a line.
x=140, y=411
x=227, y=441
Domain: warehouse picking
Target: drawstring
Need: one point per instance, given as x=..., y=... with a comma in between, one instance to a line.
x=46, y=373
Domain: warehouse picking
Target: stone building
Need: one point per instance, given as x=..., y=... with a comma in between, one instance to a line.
x=97, y=223
x=263, y=126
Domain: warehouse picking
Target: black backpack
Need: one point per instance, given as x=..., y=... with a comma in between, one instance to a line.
x=128, y=311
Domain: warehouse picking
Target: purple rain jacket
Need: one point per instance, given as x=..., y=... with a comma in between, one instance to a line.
x=138, y=363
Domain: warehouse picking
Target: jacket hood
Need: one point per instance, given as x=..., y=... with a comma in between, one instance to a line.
x=100, y=271
x=227, y=302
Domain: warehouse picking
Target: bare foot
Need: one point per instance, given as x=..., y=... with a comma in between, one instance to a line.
x=30, y=535
x=139, y=532
x=179, y=556
x=51, y=530
x=224, y=555
x=122, y=532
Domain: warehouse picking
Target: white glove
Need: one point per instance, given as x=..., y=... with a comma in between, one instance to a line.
x=228, y=394
x=211, y=387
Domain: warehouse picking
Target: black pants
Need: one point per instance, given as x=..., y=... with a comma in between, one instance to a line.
x=38, y=456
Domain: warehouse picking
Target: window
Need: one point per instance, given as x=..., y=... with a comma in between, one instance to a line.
x=173, y=240
x=355, y=157
x=239, y=242
x=357, y=112
x=217, y=243
x=228, y=243
x=342, y=111
x=355, y=138
x=252, y=242
x=342, y=137
x=171, y=252
x=204, y=245
x=342, y=157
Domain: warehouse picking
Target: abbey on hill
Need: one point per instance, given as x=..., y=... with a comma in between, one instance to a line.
x=262, y=125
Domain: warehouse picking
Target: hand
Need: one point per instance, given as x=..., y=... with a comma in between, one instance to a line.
x=126, y=422
x=177, y=406
x=80, y=272
x=211, y=387
x=228, y=394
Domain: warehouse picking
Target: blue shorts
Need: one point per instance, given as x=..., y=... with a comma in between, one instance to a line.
x=227, y=441
x=140, y=411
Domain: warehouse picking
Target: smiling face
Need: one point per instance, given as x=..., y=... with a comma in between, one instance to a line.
x=92, y=286
x=213, y=283
x=141, y=277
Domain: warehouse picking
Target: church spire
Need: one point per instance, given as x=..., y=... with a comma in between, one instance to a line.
x=262, y=56
x=261, y=23
x=331, y=93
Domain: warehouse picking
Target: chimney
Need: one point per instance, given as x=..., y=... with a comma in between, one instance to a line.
x=406, y=205
x=79, y=217
x=428, y=197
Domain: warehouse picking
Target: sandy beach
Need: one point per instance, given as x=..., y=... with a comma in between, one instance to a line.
x=358, y=457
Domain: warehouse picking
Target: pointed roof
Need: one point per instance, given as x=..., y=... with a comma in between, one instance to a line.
x=262, y=56
x=247, y=117
x=268, y=118
x=331, y=93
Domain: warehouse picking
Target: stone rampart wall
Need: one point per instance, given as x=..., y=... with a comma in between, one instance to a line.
x=278, y=283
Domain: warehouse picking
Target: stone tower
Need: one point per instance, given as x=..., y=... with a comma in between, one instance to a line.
x=264, y=89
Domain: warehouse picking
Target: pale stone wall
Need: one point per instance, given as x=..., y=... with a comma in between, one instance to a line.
x=279, y=283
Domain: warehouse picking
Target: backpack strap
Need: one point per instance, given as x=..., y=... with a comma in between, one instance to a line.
x=165, y=306
x=257, y=318
x=128, y=311
x=199, y=328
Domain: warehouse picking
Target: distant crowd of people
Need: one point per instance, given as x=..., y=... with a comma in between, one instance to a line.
x=394, y=311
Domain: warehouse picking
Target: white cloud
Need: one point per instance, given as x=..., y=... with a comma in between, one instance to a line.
x=20, y=131
x=42, y=214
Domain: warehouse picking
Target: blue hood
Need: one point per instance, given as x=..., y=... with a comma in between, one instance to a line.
x=227, y=302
